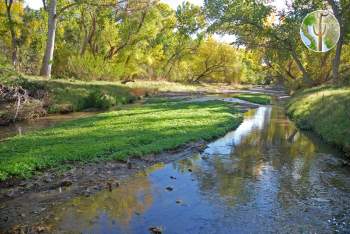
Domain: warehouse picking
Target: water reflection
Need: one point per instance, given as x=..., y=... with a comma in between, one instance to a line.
x=23, y=127
x=263, y=177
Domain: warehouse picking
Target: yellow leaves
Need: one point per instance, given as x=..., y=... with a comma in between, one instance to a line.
x=270, y=20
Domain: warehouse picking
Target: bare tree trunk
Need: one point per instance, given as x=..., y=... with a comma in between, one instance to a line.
x=336, y=60
x=301, y=67
x=50, y=44
x=9, y=4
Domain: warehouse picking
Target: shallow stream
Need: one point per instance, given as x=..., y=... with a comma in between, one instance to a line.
x=266, y=176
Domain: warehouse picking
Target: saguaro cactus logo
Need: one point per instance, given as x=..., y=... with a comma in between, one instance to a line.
x=320, y=31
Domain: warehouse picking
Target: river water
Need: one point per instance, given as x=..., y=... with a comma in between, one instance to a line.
x=24, y=127
x=264, y=177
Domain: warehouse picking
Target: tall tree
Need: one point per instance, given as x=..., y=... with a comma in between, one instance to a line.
x=50, y=44
x=11, y=24
x=341, y=10
x=53, y=15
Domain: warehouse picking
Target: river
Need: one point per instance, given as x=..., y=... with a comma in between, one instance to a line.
x=266, y=176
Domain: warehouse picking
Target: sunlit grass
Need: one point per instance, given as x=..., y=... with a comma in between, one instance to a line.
x=116, y=135
x=326, y=111
x=257, y=98
x=75, y=95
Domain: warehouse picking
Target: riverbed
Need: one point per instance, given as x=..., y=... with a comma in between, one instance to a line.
x=265, y=176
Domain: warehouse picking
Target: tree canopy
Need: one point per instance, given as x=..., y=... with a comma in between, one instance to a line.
x=129, y=39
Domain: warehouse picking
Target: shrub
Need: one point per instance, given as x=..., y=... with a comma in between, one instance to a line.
x=90, y=68
x=101, y=100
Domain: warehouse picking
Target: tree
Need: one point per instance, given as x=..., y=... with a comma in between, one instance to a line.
x=11, y=24
x=250, y=22
x=53, y=15
x=341, y=11
x=50, y=44
x=215, y=62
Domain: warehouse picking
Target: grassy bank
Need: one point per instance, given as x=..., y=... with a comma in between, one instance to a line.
x=257, y=98
x=68, y=95
x=326, y=111
x=74, y=95
x=116, y=135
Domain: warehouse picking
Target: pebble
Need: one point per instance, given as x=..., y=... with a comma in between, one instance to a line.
x=156, y=230
x=66, y=183
x=169, y=188
x=11, y=193
x=129, y=165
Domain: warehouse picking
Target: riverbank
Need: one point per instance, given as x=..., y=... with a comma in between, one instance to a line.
x=326, y=111
x=116, y=135
x=60, y=96
x=236, y=178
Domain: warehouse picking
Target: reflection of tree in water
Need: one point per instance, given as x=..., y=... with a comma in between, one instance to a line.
x=276, y=145
x=182, y=166
x=119, y=205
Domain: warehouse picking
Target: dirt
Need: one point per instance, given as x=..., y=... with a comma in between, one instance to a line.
x=27, y=201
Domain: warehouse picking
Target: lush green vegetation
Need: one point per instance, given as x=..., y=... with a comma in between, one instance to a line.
x=325, y=110
x=123, y=40
x=273, y=34
x=258, y=98
x=117, y=135
x=70, y=95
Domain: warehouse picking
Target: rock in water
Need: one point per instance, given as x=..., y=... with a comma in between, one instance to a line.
x=156, y=230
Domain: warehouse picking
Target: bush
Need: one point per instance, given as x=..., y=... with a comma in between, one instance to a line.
x=89, y=68
x=101, y=100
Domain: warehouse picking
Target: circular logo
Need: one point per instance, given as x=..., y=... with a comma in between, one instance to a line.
x=320, y=31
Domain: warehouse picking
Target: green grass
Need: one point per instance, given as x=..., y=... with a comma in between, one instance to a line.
x=77, y=95
x=326, y=111
x=74, y=95
x=257, y=98
x=139, y=131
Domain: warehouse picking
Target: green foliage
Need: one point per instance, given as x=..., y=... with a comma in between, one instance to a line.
x=89, y=68
x=116, y=135
x=101, y=100
x=258, y=98
x=326, y=111
x=67, y=96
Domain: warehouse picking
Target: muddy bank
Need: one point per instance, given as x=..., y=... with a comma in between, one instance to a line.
x=52, y=188
x=265, y=176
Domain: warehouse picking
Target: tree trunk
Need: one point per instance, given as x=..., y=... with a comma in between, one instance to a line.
x=301, y=67
x=50, y=44
x=336, y=60
x=12, y=32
